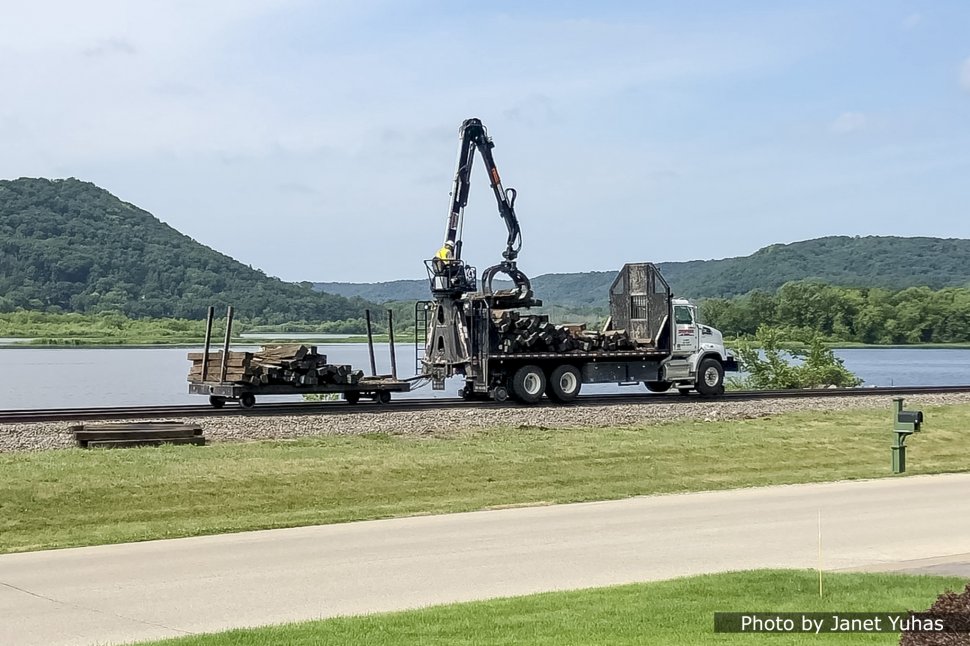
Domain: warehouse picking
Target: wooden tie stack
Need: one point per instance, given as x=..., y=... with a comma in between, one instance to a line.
x=121, y=435
x=291, y=364
x=534, y=333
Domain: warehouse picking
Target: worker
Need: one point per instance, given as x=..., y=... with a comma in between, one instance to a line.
x=447, y=252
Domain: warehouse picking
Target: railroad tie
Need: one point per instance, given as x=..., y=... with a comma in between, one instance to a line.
x=122, y=435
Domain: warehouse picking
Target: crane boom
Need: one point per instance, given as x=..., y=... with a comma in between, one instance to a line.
x=474, y=138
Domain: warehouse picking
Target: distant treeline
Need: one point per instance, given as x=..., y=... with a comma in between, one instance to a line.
x=865, y=315
x=117, y=328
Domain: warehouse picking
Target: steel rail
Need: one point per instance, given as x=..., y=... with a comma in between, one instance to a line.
x=412, y=405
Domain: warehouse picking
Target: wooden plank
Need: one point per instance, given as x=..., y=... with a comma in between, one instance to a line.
x=120, y=444
x=166, y=434
x=133, y=426
x=217, y=356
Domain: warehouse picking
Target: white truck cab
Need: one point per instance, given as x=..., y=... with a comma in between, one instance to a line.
x=698, y=358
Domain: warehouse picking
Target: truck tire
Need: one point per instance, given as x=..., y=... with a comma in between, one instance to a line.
x=216, y=401
x=565, y=382
x=352, y=397
x=710, y=377
x=247, y=400
x=528, y=384
x=658, y=386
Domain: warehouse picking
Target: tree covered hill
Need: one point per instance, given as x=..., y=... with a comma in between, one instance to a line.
x=870, y=261
x=67, y=245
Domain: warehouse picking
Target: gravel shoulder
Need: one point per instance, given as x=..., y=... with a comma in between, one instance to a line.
x=45, y=436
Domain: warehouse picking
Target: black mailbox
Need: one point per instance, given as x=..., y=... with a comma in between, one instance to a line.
x=905, y=422
x=908, y=421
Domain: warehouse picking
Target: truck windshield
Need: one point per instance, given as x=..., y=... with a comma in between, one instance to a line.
x=682, y=315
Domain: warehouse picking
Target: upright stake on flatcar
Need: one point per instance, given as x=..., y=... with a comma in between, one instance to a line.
x=390, y=339
x=208, y=339
x=370, y=345
x=225, y=345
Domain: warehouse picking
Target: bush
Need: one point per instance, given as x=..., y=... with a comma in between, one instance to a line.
x=817, y=368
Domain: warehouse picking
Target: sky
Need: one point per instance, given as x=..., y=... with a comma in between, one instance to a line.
x=317, y=140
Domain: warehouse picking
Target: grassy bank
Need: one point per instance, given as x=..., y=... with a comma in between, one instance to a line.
x=848, y=345
x=75, y=497
x=112, y=329
x=679, y=611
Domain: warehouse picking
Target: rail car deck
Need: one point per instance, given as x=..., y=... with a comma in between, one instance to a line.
x=377, y=388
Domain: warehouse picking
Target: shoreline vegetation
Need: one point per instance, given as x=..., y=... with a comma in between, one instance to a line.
x=30, y=329
x=108, y=342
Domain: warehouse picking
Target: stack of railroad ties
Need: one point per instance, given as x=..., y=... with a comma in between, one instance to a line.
x=290, y=364
x=534, y=333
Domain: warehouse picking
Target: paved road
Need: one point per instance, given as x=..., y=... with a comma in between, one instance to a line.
x=165, y=588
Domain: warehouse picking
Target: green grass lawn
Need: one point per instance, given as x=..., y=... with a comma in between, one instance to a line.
x=679, y=611
x=83, y=497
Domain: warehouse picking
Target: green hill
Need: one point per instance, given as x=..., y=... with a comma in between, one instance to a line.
x=573, y=290
x=67, y=245
x=870, y=261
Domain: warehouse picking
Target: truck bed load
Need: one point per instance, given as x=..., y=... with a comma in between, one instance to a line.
x=289, y=364
x=531, y=333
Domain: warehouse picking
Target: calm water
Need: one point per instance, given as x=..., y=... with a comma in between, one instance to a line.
x=56, y=378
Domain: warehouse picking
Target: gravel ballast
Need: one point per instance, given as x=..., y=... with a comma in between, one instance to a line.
x=57, y=435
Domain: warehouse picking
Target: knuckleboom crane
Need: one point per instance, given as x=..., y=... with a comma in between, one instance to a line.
x=650, y=337
x=453, y=283
x=474, y=137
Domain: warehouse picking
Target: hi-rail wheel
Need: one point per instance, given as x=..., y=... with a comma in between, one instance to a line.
x=352, y=396
x=247, y=400
x=528, y=384
x=684, y=391
x=500, y=393
x=216, y=401
x=658, y=386
x=565, y=383
x=710, y=377
x=382, y=397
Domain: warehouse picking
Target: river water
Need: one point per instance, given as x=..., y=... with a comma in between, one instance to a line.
x=32, y=377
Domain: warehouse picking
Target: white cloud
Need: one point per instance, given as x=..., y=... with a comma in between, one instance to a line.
x=965, y=75
x=848, y=122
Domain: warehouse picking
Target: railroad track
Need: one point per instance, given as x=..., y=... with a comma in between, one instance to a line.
x=341, y=407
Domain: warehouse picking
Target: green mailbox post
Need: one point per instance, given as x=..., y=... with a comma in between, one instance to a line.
x=905, y=423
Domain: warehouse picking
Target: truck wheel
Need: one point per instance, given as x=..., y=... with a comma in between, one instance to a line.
x=565, y=383
x=383, y=397
x=247, y=400
x=352, y=397
x=216, y=401
x=658, y=386
x=528, y=384
x=710, y=377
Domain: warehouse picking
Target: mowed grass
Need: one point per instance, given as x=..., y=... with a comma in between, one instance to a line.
x=679, y=611
x=80, y=497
